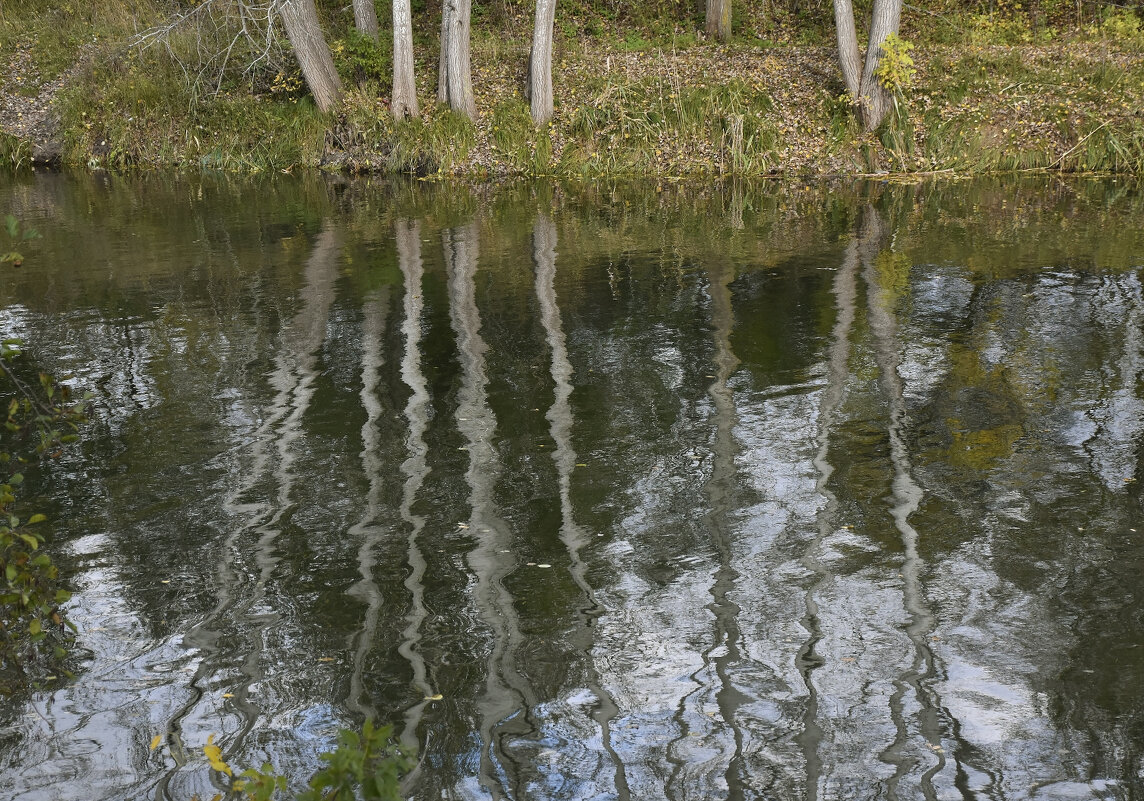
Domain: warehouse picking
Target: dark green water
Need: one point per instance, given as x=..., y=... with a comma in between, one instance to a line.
x=613, y=492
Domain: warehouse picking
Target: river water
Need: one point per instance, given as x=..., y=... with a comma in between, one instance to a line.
x=777, y=491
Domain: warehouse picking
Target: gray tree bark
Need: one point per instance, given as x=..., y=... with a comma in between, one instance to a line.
x=443, y=64
x=300, y=19
x=539, y=87
x=860, y=75
x=455, y=79
x=849, y=56
x=365, y=18
x=719, y=19
x=404, y=100
x=886, y=19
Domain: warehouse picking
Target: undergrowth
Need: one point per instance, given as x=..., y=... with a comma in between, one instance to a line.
x=999, y=86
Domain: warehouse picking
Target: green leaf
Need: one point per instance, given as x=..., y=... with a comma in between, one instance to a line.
x=31, y=540
x=36, y=518
x=10, y=572
x=16, y=479
x=35, y=627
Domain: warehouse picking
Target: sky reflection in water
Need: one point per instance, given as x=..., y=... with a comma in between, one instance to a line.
x=740, y=492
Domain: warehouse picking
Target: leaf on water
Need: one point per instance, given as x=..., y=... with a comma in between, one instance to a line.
x=542, y=564
x=214, y=756
x=581, y=464
x=228, y=695
x=436, y=697
x=158, y=738
x=325, y=659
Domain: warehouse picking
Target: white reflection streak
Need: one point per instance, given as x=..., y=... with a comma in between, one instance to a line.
x=1119, y=421
x=292, y=380
x=560, y=428
x=506, y=694
x=366, y=530
x=837, y=371
x=907, y=495
x=415, y=469
x=724, y=651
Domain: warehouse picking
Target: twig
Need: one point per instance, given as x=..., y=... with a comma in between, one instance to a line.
x=23, y=389
x=1083, y=139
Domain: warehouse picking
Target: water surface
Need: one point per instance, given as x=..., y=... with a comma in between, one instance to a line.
x=611, y=492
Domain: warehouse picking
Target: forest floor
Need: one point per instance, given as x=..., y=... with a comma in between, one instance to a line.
x=703, y=108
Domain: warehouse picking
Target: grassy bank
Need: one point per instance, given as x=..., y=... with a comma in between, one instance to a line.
x=636, y=95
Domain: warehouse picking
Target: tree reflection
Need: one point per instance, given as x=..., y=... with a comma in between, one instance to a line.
x=504, y=706
x=367, y=531
x=415, y=469
x=574, y=537
x=241, y=596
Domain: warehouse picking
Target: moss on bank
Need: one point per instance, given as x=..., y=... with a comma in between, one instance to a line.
x=653, y=101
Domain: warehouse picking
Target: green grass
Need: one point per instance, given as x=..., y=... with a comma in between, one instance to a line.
x=525, y=148
x=14, y=153
x=638, y=127
x=981, y=104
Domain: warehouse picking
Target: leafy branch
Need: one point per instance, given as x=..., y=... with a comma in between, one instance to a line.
x=39, y=420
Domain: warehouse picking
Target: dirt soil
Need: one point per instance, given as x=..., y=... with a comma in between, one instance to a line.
x=30, y=117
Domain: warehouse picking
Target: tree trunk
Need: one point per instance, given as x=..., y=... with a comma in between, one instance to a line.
x=849, y=56
x=719, y=19
x=365, y=18
x=404, y=100
x=876, y=100
x=443, y=63
x=300, y=18
x=860, y=75
x=455, y=76
x=539, y=87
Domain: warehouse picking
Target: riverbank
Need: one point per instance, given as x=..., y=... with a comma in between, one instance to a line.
x=676, y=107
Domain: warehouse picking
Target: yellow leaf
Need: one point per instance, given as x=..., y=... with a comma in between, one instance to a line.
x=228, y=695
x=436, y=697
x=214, y=756
x=158, y=738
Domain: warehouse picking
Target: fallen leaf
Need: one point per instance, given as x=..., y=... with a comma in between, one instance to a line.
x=158, y=738
x=214, y=756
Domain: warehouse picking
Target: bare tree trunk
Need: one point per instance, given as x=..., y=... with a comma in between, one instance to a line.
x=539, y=87
x=849, y=56
x=455, y=76
x=443, y=64
x=300, y=18
x=404, y=100
x=860, y=75
x=876, y=100
x=719, y=19
x=365, y=18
